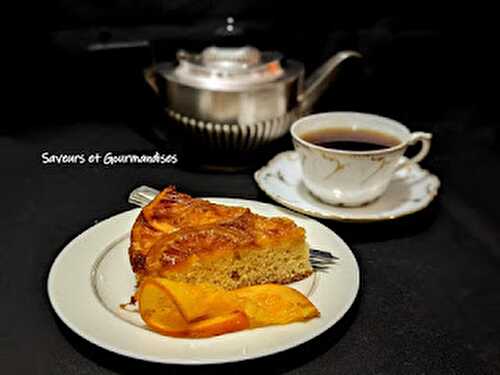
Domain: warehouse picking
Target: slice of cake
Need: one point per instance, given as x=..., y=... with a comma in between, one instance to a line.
x=192, y=240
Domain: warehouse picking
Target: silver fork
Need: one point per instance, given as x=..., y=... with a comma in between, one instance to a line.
x=320, y=260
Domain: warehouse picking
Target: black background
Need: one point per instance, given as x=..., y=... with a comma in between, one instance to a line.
x=430, y=294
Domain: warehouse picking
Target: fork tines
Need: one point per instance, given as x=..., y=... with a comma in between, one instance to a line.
x=321, y=260
x=320, y=254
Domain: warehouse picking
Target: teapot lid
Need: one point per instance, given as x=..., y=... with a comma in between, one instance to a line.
x=217, y=67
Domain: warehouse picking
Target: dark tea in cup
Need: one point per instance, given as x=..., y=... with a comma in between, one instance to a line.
x=351, y=140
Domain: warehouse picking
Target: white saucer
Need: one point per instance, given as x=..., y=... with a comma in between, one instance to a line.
x=410, y=190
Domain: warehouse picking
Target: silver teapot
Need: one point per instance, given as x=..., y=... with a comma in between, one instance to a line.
x=238, y=98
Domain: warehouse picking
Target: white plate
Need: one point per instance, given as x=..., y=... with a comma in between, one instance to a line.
x=92, y=276
x=410, y=190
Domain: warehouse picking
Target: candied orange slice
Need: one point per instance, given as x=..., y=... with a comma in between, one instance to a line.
x=196, y=301
x=203, y=310
x=219, y=325
x=270, y=304
x=211, y=310
x=159, y=311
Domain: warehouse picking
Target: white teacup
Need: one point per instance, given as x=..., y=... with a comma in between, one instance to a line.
x=353, y=178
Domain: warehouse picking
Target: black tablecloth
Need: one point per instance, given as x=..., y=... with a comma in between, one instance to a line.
x=429, y=300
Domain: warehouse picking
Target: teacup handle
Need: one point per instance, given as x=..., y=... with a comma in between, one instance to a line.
x=425, y=139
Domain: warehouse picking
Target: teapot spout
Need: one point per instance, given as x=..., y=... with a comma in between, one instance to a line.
x=318, y=81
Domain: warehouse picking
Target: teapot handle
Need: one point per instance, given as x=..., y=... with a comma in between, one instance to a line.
x=318, y=81
x=149, y=76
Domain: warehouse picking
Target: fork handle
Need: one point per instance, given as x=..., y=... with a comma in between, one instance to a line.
x=142, y=195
